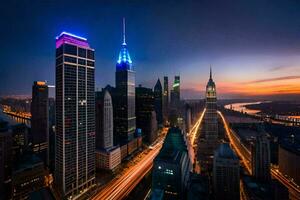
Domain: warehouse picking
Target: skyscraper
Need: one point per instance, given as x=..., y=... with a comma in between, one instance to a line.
x=226, y=175
x=158, y=101
x=209, y=139
x=175, y=93
x=144, y=112
x=40, y=120
x=104, y=120
x=210, y=117
x=261, y=157
x=75, y=115
x=171, y=168
x=166, y=98
x=108, y=156
x=125, y=97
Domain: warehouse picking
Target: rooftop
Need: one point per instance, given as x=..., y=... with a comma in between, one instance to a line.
x=69, y=38
x=224, y=151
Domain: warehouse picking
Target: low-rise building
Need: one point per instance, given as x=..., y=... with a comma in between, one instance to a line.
x=108, y=159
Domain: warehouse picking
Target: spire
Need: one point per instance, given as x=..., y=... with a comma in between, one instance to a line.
x=210, y=75
x=124, y=31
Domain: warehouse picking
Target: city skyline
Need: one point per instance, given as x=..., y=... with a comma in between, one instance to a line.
x=251, y=56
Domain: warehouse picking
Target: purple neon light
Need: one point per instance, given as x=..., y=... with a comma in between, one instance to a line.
x=69, y=38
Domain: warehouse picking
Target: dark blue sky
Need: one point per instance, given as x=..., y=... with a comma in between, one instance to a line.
x=243, y=40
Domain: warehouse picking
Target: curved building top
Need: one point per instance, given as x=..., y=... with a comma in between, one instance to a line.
x=211, y=87
x=124, y=61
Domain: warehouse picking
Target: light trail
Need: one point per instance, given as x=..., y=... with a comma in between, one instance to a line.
x=121, y=187
x=193, y=133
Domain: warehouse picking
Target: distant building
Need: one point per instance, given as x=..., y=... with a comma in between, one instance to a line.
x=145, y=111
x=171, y=168
x=5, y=160
x=125, y=95
x=28, y=176
x=75, y=116
x=158, y=102
x=188, y=118
x=107, y=156
x=261, y=158
x=175, y=92
x=40, y=120
x=226, y=173
x=166, y=99
x=289, y=159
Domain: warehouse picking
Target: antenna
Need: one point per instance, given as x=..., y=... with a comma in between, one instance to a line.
x=210, y=76
x=124, y=31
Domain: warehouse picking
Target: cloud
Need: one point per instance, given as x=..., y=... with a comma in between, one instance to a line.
x=282, y=68
x=282, y=78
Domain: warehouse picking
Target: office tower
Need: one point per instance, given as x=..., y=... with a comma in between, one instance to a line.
x=108, y=156
x=145, y=111
x=125, y=95
x=210, y=117
x=226, y=175
x=175, y=93
x=171, y=168
x=5, y=160
x=158, y=101
x=75, y=115
x=40, y=120
x=261, y=157
x=166, y=99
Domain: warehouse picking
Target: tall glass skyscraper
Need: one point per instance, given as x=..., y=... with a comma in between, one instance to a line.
x=166, y=98
x=175, y=93
x=75, y=115
x=158, y=101
x=125, y=101
x=40, y=120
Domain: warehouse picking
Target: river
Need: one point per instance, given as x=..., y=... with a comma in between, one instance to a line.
x=13, y=120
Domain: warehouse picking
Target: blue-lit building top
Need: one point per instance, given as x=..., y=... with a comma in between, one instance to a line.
x=124, y=61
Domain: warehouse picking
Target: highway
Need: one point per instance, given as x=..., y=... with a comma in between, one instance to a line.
x=245, y=155
x=120, y=187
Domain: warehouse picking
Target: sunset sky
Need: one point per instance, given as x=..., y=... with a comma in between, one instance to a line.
x=253, y=46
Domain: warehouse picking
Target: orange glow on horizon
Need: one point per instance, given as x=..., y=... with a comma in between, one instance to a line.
x=276, y=87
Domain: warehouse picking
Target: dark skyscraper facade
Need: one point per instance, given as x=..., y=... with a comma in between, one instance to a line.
x=158, y=101
x=75, y=115
x=166, y=98
x=226, y=173
x=125, y=95
x=144, y=111
x=40, y=120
